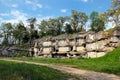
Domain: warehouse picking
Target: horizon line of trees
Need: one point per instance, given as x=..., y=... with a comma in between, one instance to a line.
x=19, y=33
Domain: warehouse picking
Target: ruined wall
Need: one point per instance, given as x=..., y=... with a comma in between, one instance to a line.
x=90, y=43
x=98, y=44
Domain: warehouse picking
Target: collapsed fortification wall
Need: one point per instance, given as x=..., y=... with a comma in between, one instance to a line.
x=88, y=44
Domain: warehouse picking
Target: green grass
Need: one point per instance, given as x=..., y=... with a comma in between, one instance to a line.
x=22, y=71
x=109, y=63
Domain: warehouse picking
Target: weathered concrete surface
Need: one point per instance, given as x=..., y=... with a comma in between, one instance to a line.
x=80, y=42
x=7, y=51
x=100, y=36
x=97, y=46
x=114, y=44
x=63, y=49
x=115, y=39
x=90, y=37
x=108, y=49
x=47, y=50
x=116, y=32
x=49, y=43
x=80, y=49
x=102, y=41
x=62, y=43
x=95, y=54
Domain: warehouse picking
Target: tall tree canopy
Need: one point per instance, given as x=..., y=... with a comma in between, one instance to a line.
x=19, y=32
x=97, y=24
x=31, y=22
x=78, y=18
x=7, y=32
x=114, y=12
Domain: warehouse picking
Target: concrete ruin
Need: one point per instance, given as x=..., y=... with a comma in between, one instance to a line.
x=7, y=51
x=87, y=45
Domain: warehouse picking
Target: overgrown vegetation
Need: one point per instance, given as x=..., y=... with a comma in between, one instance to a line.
x=22, y=71
x=109, y=63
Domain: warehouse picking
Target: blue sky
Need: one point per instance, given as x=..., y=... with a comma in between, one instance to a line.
x=16, y=10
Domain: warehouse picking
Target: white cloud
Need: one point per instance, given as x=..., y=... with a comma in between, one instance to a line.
x=63, y=10
x=39, y=5
x=35, y=4
x=40, y=18
x=4, y=14
x=28, y=2
x=110, y=25
x=18, y=15
x=15, y=5
x=39, y=15
x=15, y=15
x=84, y=0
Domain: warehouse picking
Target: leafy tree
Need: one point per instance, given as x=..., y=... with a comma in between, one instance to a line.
x=97, y=24
x=68, y=29
x=19, y=32
x=60, y=23
x=103, y=17
x=43, y=26
x=115, y=4
x=93, y=16
x=114, y=12
x=25, y=37
x=78, y=18
x=75, y=20
x=7, y=32
x=31, y=22
x=83, y=20
x=35, y=34
x=52, y=27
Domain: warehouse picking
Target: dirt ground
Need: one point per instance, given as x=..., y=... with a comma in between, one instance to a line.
x=86, y=75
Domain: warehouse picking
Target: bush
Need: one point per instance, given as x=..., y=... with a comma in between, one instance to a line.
x=21, y=54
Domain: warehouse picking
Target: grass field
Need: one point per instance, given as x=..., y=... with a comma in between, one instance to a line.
x=22, y=71
x=109, y=63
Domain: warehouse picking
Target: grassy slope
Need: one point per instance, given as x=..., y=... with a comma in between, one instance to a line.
x=109, y=63
x=17, y=71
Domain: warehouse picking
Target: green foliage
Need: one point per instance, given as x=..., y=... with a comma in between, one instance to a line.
x=6, y=33
x=57, y=26
x=21, y=54
x=52, y=27
x=34, y=34
x=68, y=29
x=109, y=63
x=93, y=16
x=19, y=32
x=31, y=22
x=5, y=42
x=115, y=4
x=14, y=34
x=22, y=71
x=97, y=23
x=114, y=12
x=78, y=18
